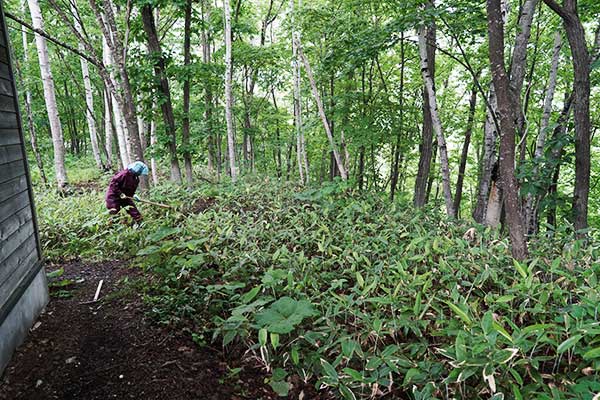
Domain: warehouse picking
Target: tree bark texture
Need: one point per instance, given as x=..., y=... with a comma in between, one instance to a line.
x=581, y=107
x=334, y=148
x=506, y=110
x=437, y=124
x=229, y=91
x=426, y=145
x=185, y=126
x=49, y=96
x=166, y=106
x=465, y=149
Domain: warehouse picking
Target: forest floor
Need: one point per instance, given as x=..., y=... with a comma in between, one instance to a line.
x=109, y=349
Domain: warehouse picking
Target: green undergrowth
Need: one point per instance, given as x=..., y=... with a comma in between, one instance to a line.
x=354, y=294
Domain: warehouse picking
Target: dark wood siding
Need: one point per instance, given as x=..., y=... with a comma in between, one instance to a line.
x=19, y=244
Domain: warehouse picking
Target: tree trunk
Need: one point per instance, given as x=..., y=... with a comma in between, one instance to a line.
x=437, y=125
x=517, y=75
x=300, y=141
x=116, y=110
x=229, y=91
x=124, y=98
x=108, y=128
x=28, y=111
x=89, y=95
x=519, y=61
x=165, y=92
x=31, y=125
x=488, y=160
x=506, y=112
x=212, y=163
x=153, y=163
x=530, y=214
x=426, y=145
x=185, y=128
x=49, y=96
x=465, y=150
x=581, y=107
x=398, y=147
x=336, y=155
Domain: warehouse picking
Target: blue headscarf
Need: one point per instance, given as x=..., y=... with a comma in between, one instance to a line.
x=138, y=168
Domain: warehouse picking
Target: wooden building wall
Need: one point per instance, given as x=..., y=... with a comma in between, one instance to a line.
x=20, y=255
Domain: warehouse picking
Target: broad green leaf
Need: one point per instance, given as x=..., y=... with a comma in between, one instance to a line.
x=329, y=371
x=460, y=313
x=591, y=354
x=568, y=344
x=281, y=388
x=262, y=337
x=284, y=315
x=347, y=394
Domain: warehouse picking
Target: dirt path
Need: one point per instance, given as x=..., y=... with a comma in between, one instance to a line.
x=109, y=350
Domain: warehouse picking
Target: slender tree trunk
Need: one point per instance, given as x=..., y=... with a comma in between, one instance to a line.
x=28, y=110
x=552, y=190
x=229, y=91
x=108, y=128
x=517, y=76
x=116, y=110
x=465, y=149
x=300, y=140
x=506, y=112
x=185, y=129
x=212, y=163
x=488, y=161
x=30, y=123
x=153, y=140
x=398, y=147
x=277, y=150
x=338, y=160
x=89, y=95
x=165, y=92
x=49, y=96
x=437, y=125
x=530, y=214
x=581, y=107
x=124, y=98
x=519, y=61
x=426, y=145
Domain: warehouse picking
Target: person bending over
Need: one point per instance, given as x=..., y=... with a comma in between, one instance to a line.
x=121, y=190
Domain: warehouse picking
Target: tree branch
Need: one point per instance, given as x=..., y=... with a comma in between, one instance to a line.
x=50, y=38
x=557, y=8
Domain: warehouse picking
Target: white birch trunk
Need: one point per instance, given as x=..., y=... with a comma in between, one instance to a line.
x=300, y=140
x=28, y=102
x=437, y=125
x=89, y=99
x=142, y=129
x=228, y=91
x=530, y=204
x=108, y=128
x=89, y=95
x=336, y=154
x=117, y=114
x=549, y=97
x=49, y=95
x=153, y=163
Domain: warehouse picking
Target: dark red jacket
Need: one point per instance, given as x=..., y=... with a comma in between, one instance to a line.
x=124, y=182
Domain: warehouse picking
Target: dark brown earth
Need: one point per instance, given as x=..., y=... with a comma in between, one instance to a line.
x=110, y=350
x=202, y=204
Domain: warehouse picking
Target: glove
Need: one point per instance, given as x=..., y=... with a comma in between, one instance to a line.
x=136, y=197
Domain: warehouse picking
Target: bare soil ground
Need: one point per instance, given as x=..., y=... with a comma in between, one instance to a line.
x=110, y=350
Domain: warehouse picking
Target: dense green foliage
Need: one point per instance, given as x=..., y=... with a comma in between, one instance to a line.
x=342, y=285
x=354, y=293
x=369, y=93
